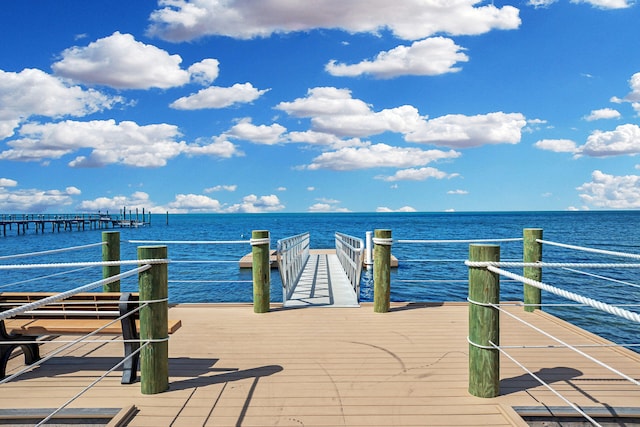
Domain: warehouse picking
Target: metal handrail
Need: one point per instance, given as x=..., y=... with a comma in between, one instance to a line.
x=350, y=251
x=292, y=254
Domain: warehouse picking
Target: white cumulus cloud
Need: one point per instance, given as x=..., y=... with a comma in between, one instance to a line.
x=6, y=182
x=219, y=97
x=603, y=113
x=32, y=199
x=33, y=92
x=122, y=62
x=181, y=20
x=557, y=145
x=205, y=71
x=257, y=204
x=109, y=142
x=460, y=131
x=429, y=57
x=611, y=191
x=402, y=209
x=258, y=134
x=624, y=140
x=414, y=174
x=377, y=156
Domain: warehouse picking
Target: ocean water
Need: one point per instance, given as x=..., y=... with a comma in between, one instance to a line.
x=426, y=272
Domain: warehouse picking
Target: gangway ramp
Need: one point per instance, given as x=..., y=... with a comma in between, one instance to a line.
x=323, y=282
x=320, y=277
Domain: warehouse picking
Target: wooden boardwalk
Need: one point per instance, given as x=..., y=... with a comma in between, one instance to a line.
x=323, y=283
x=339, y=367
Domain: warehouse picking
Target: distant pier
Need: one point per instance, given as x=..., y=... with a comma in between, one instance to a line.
x=40, y=223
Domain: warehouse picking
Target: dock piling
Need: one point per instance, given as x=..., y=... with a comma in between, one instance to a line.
x=111, y=252
x=382, y=271
x=484, y=325
x=154, y=357
x=261, y=270
x=532, y=253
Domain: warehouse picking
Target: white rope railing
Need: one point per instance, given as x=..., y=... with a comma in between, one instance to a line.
x=190, y=242
x=541, y=264
x=514, y=239
x=607, y=308
x=593, y=250
x=83, y=264
x=567, y=345
x=52, y=251
x=605, y=278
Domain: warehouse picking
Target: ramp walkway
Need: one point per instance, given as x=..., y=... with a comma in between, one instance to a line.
x=320, y=277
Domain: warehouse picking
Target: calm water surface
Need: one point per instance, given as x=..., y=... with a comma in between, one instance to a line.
x=427, y=272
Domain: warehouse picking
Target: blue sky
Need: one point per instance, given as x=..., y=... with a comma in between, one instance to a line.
x=295, y=106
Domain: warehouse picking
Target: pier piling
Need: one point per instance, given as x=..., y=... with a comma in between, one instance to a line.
x=111, y=252
x=532, y=253
x=382, y=271
x=484, y=325
x=154, y=357
x=261, y=270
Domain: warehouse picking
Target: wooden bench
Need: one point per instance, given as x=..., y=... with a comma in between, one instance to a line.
x=80, y=314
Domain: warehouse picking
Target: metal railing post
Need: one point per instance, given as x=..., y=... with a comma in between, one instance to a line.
x=111, y=252
x=261, y=270
x=532, y=252
x=484, y=325
x=382, y=271
x=154, y=357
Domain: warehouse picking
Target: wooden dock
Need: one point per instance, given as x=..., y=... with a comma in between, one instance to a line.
x=69, y=222
x=342, y=367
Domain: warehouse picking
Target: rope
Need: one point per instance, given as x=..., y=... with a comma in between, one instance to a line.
x=263, y=241
x=382, y=241
x=569, y=346
x=210, y=281
x=482, y=264
x=516, y=239
x=551, y=389
x=33, y=279
x=52, y=251
x=608, y=279
x=585, y=249
x=191, y=242
x=63, y=295
x=202, y=262
x=90, y=386
x=608, y=308
x=84, y=264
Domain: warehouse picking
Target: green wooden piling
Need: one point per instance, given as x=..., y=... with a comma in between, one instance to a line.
x=532, y=253
x=154, y=357
x=381, y=271
x=111, y=252
x=484, y=326
x=261, y=270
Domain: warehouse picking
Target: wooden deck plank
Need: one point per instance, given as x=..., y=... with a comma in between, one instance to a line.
x=292, y=367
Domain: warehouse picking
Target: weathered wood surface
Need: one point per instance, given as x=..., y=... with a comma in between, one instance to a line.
x=342, y=367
